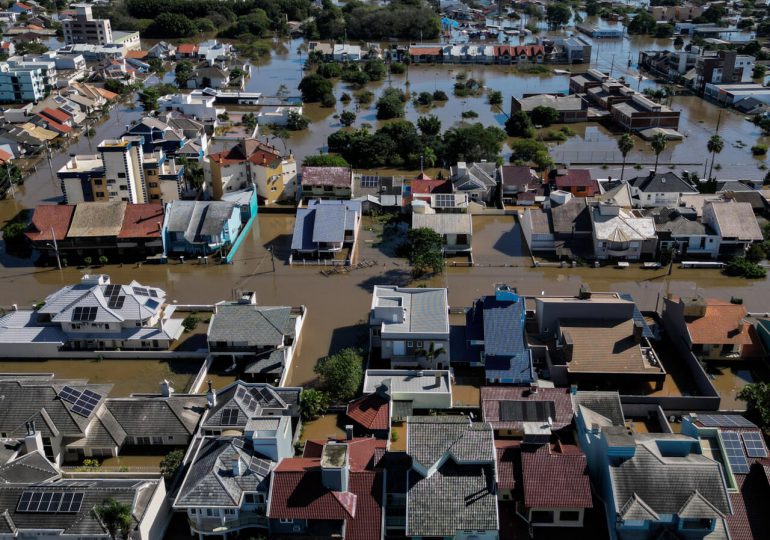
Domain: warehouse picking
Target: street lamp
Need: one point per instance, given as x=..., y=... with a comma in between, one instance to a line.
x=55, y=248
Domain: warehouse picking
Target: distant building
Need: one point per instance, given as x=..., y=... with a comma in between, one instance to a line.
x=622, y=234
x=456, y=230
x=83, y=28
x=325, y=228
x=326, y=183
x=21, y=84
x=722, y=67
x=571, y=109
x=200, y=228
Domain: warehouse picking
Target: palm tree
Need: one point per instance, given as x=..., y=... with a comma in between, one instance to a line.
x=715, y=145
x=658, y=143
x=116, y=517
x=625, y=145
x=431, y=353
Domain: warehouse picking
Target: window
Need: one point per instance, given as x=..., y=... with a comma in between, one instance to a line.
x=286, y=521
x=193, y=511
x=375, y=332
x=99, y=195
x=569, y=515
x=98, y=182
x=696, y=524
x=250, y=498
x=209, y=512
x=229, y=512
x=419, y=344
x=410, y=344
x=541, y=516
x=121, y=175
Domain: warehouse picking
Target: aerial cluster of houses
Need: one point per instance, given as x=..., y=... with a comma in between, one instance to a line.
x=580, y=426
x=595, y=96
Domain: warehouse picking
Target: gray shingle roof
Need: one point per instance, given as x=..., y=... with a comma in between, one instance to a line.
x=454, y=498
x=197, y=219
x=210, y=480
x=431, y=437
x=666, y=484
x=30, y=468
x=253, y=400
x=251, y=325
x=324, y=221
x=426, y=310
x=136, y=493
x=606, y=404
x=147, y=416
x=662, y=183
x=39, y=401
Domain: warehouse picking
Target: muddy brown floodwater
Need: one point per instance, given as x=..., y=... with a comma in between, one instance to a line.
x=338, y=305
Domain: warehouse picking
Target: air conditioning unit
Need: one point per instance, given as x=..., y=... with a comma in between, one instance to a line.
x=296, y=528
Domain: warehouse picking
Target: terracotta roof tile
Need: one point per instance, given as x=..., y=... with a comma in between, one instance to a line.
x=721, y=325
x=507, y=454
x=362, y=451
x=56, y=114
x=555, y=476
x=578, y=178
x=142, y=221
x=371, y=411
x=750, y=519
x=187, y=48
x=46, y=216
x=425, y=51
x=493, y=399
x=431, y=186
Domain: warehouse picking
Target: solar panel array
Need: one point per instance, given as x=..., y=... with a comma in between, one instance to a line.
x=81, y=313
x=50, y=502
x=734, y=452
x=724, y=420
x=115, y=298
x=230, y=417
x=260, y=466
x=83, y=403
x=755, y=446
x=141, y=291
x=151, y=304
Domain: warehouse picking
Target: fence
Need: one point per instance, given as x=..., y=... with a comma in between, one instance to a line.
x=319, y=262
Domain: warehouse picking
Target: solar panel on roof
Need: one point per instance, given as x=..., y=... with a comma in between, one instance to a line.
x=153, y=293
x=70, y=394
x=260, y=466
x=230, y=417
x=241, y=391
x=111, y=290
x=50, y=502
x=734, y=451
x=141, y=291
x=724, y=420
x=151, y=304
x=116, y=302
x=755, y=446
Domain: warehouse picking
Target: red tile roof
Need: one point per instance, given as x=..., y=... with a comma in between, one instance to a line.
x=506, y=463
x=5, y=156
x=187, y=48
x=46, y=216
x=361, y=451
x=425, y=51
x=555, y=476
x=327, y=176
x=56, y=114
x=493, y=396
x=138, y=55
x=431, y=186
x=578, y=178
x=56, y=126
x=142, y=221
x=297, y=492
x=248, y=150
x=723, y=324
x=371, y=411
x=750, y=519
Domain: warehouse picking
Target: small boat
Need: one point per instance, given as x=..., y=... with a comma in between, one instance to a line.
x=622, y=264
x=561, y=71
x=651, y=265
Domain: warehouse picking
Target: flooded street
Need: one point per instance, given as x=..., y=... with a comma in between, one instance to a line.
x=338, y=305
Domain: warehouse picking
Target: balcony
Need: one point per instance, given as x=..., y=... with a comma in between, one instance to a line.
x=217, y=526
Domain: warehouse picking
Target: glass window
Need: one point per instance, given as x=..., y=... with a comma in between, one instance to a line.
x=541, y=516
x=569, y=515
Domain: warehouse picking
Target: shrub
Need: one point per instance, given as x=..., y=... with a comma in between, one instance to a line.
x=190, y=322
x=103, y=260
x=171, y=463
x=743, y=267
x=87, y=261
x=314, y=403
x=341, y=374
x=759, y=149
x=328, y=100
x=397, y=68
x=469, y=114
x=440, y=95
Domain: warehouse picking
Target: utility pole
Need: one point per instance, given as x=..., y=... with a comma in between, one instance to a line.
x=56, y=248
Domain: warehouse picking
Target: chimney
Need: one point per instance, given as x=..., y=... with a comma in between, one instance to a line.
x=651, y=172
x=237, y=467
x=532, y=389
x=335, y=467
x=33, y=440
x=638, y=329
x=439, y=376
x=348, y=432
x=165, y=389
x=211, y=396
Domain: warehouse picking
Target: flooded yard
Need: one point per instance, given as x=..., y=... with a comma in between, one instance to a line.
x=127, y=376
x=326, y=427
x=498, y=241
x=729, y=379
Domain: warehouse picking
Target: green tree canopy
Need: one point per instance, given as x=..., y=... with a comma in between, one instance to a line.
x=557, y=14
x=115, y=516
x=325, y=160
x=473, y=142
x=429, y=125
x=341, y=374
x=171, y=463
x=519, y=124
x=167, y=25
x=426, y=251
x=757, y=398
x=391, y=104
x=544, y=116
x=314, y=87
x=314, y=403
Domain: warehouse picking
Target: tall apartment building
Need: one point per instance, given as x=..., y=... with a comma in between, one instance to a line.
x=722, y=67
x=121, y=172
x=21, y=84
x=83, y=28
